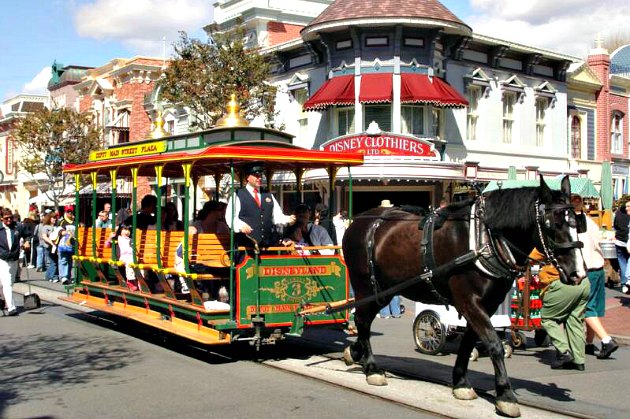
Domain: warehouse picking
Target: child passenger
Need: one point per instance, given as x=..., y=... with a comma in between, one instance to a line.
x=179, y=260
x=125, y=254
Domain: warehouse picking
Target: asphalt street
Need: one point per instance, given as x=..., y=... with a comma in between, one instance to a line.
x=597, y=392
x=59, y=363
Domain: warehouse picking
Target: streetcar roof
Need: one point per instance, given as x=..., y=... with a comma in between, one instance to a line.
x=213, y=158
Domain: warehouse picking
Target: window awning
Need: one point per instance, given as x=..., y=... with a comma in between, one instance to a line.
x=336, y=91
x=376, y=88
x=420, y=88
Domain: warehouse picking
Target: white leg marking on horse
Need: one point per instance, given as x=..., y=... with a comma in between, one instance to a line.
x=464, y=393
x=376, y=380
x=510, y=409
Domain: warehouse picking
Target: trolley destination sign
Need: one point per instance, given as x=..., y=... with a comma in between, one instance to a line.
x=143, y=149
x=385, y=144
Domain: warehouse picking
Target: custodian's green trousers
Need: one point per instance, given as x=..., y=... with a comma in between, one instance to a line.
x=564, y=305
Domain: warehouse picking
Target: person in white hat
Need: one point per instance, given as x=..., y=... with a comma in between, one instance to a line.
x=385, y=203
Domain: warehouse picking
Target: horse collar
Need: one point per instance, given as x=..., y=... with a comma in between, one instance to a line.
x=495, y=254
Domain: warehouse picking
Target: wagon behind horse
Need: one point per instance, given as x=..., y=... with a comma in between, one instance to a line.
x=466, y=255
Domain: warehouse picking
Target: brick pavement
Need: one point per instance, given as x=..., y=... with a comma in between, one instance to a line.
x=617, y=319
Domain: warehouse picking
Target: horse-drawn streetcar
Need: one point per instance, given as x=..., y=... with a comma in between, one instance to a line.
x=466, y=255
x=270, y=291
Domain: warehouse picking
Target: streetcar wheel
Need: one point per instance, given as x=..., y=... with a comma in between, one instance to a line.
x=429, y=333
x=518, y=340
x=541, y=338
x=474, y=354
x=507, y=350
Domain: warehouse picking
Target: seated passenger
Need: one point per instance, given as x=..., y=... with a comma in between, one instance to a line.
x=312, y=234
x=211, y=218
x=146, y=216
x=170, y=218
x=122, y=238
x=180, y=266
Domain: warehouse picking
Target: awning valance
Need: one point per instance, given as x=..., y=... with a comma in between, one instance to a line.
x=376, y=88
x=336, y=91
x=420, y=88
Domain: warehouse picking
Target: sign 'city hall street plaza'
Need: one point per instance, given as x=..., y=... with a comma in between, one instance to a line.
x=384, y=144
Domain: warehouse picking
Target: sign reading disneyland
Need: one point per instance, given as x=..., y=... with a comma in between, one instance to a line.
x=383, y=144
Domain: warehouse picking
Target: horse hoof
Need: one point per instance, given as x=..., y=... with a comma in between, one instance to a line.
x=464, y=393
x=377, y=380
x=347, y=356
x=509, y=409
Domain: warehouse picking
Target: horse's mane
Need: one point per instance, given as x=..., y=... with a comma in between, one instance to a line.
x=510, y=208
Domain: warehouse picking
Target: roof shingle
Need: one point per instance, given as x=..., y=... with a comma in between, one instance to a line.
x=357, y=9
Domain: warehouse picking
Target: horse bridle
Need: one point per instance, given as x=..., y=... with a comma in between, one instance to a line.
x=549, y=249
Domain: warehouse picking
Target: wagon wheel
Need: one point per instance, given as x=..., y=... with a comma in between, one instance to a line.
x=518, y=339
x=429, y=333
x=474, y=354
x=507, y=350
x=541, y=338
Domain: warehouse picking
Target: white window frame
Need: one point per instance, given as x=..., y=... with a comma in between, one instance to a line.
x=575, y=137
x=388, y=106
x=509, y=103
x=542, y=105
x=437, y=123
x=474, y=96
x=406, y=126
x=349, y=112
x=616, y=132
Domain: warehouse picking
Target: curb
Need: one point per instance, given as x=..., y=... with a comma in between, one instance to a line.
x=48, y=295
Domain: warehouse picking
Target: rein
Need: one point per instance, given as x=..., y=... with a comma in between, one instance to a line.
x=548, y=250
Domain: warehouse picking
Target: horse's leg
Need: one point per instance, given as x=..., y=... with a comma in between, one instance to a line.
x=361, y=350
x=462, y=389
x=505, y=402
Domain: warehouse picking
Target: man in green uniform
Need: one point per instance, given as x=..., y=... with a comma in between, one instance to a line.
x=563, y=316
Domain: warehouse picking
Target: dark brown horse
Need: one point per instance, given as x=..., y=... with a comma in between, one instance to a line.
x=473, y=268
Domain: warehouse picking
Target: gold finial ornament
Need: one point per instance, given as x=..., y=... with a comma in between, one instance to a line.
x=159, y=131
x=233, y=117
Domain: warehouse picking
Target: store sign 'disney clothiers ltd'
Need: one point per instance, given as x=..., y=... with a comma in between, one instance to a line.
x=383, y=145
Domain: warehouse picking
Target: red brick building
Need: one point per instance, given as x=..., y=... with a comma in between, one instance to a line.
x=115, y=94
x=611, y=122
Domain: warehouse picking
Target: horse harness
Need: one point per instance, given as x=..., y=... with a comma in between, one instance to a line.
x=490, y=253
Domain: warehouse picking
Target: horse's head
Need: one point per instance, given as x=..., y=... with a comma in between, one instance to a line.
x=557, y=231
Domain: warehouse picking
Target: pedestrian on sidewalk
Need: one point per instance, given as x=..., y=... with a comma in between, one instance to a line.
x=590, y=235
x=620, y=224
x=10, y=236
x=562, y=315
x=47, y=241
